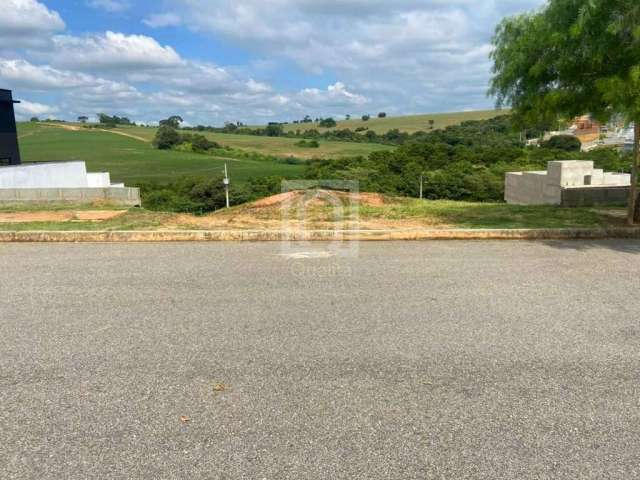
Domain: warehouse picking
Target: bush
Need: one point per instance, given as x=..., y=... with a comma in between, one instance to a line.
x=273, y=130
x=199, y=143
x=365, y=118
x=382, y=115
x=204, y=194
x=327, y=123
x=568, y=143
x=308, y=144
x=166, y=138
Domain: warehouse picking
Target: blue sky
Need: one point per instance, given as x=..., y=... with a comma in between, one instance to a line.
x=254, y=61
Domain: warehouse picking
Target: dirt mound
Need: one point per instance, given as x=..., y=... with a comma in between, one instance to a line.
x=319, y=198
x=274, y=200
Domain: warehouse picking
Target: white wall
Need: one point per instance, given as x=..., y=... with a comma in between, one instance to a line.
x=545, y=188
x=99, y=180
x=45, y=175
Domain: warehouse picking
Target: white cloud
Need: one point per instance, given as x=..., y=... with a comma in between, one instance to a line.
x=21, y=74
x=25, y=110
x=162, y=20
x=27, y=23
x=257, y=87
x=387, y=50
x=18, y=73
x=406, y=56
x=111, y=6
x=201, y=78
x=78, y=93
x=112, y=51
x=335, y=95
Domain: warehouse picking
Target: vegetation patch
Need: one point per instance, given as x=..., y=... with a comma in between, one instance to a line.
x=308, y=144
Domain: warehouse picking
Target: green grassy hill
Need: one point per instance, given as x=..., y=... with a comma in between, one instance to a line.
x=276, y=146
x=131, y=160
x=127, y=153
x=409, y=123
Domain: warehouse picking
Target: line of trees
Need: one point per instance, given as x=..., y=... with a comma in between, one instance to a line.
x=168, y=138
x=103, y=118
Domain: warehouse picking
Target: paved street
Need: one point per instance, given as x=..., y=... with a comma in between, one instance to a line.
x=452, y=360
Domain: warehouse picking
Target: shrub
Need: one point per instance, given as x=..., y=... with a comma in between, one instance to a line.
x=568, y=143
x=202, y=144
x=204, y=194
x=166, y=138
x=308, y=144
x=327, y=123
x=274, y=130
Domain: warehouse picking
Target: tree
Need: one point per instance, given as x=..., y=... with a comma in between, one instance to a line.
x=365, y=118
x=83, y=119
x=568, y=143
x=230, y=127
x=274, y=130
x=173, y=121
x=432, y=122
x=570, y=58
x=104, y=118
x=166, y=138
x=382, y=115
x=35, y=119
x=347, y=117
x=327, y=123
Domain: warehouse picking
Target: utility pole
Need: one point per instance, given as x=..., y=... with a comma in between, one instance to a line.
x=421, y=184
x=226, y=184
x=633, y=191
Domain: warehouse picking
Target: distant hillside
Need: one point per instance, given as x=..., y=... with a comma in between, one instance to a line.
x=408, y=123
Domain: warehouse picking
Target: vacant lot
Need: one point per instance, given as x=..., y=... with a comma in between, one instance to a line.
x=131, y=160
x=409, y=123
x=365, y=211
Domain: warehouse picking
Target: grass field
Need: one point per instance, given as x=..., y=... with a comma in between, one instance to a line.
x=131, y=161
x=276, y=146
x=410, y=123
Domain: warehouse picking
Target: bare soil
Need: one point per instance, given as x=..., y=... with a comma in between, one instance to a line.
x=61, y=216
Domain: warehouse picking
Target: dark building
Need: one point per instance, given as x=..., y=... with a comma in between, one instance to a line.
x=9, y=151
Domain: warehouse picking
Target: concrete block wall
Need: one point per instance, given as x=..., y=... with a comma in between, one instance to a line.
x=594, y=196
x=569, y=173
x=116, y=195
x=531, y=188
x=99, y=180
x=616, y=179
x=547, y=187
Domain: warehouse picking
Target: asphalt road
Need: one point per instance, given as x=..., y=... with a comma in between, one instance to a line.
x=451, y=360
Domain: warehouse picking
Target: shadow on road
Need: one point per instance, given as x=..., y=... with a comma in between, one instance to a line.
x=618, y=245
